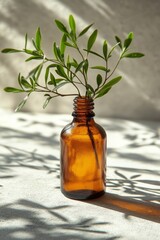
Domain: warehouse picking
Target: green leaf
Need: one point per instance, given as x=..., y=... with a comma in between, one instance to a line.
x=108, y=86
x=46, y=102
x=85, y=30
x=60, y=85
x=119, y=42
x=38, y=39
x=92, y=40
x=103, y=92
x=33, y=71
x=69, y=44
x=53, y=80
x=63, y=45
x=46, y=75
x=128, y=40
x=74, y=63
x=32, y=81
x=58, y=80
x=94, y=53
x=22, y=103
x=38, y=72
x=112, y=82
x=14, y=90
x=105, y=49
x=68, y=64
x=85, y=66
x=72, y=24
x=61, y=26
x=31, y=52
x=61, y=72
x=34, y=44
x=89, y=87
x=25, y=83
x=26, y=38
x=34, y=58
x=101, y=68
x=99, y=80
x=80, y=65
x=133, y=55
x=112, y=49
x=19, y=80
x=10, y=50
x=47, y=71
x=57, y=52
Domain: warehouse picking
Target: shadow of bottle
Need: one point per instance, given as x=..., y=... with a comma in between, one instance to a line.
x=128, y=206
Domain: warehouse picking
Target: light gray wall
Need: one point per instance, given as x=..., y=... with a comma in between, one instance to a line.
x=136, y=97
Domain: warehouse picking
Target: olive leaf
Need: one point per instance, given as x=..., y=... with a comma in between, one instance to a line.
x=69, y=44
x=59, y=86
x=14, y=90
x=72, y=24
x=85, y=30
x=128, y=40
x=53, y=80
x=92, y=40
x=26, y=39
x=103, y=92
x=38, y=39
x=90, y=89
x=94, y=53
x=85, y=66
x=112, y=49
x=34, y=58
x=60, y=71
x=105, y=49
x=133, y=55
x=61, y=26
x=63, y=45
x=25, y=84
x=108, y=86
x=99, y=80
x=119, y=42
x=46, y=102
x=11, y=50
x=22, y=103
x=80, y=65
x=101, y=68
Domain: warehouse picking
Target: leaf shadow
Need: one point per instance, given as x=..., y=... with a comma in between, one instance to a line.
x=15, y=158
x=42, y=222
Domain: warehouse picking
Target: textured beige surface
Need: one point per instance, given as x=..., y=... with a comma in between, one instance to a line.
x=32, y=206
x=136, y=97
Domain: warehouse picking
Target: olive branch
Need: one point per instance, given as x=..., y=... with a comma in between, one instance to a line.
x=63, y=69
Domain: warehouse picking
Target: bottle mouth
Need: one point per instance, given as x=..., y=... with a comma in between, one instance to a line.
x=83, y=106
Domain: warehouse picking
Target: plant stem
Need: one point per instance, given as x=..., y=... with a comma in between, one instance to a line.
x=93, y=142
x=57, y=93
x=113, y=69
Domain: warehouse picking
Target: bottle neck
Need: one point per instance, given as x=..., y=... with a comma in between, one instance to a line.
x=83, y=108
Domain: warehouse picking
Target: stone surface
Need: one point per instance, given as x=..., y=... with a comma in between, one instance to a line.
x=32, y=206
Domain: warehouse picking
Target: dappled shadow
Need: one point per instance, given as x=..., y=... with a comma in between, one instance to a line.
x=146, y=190
x=15, y=158
x=129, y=207
x=22, y=145
x=39, y=222
x=34, y=136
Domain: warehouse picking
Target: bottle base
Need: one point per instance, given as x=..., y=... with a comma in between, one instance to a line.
x=82, y=194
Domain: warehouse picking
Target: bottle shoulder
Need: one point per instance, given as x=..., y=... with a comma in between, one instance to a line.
x=81, y=128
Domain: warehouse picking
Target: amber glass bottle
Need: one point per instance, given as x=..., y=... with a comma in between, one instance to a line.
x=83, y=150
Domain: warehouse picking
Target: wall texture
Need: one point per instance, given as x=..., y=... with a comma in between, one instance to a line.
x=136, y=97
